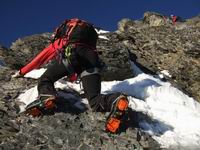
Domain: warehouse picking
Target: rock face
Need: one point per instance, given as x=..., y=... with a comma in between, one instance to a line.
x=115, y=56
x=154, y=19
x=29, y=46
x=8, y=58
x=154, y=44
x=169, y=47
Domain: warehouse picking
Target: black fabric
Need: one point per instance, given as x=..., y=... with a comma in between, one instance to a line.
x=81, y=59
x=54, y=72
x=103, y=102
x=80, y=34
x=84, y=34
x=91, y=86
x=92, y=89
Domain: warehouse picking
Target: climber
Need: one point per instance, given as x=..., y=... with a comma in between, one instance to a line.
x=73, y=52
x=175, y=19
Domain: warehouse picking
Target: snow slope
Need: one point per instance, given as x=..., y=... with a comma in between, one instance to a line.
x=175, y=116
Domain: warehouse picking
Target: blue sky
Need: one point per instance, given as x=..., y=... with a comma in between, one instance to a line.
x=21, y=18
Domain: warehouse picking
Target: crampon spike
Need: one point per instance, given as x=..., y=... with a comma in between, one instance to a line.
x=38, y=107
x=117, y=112
x=35, y=112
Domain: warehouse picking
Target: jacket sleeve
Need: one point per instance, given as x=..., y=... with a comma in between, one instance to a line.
x=43, y=57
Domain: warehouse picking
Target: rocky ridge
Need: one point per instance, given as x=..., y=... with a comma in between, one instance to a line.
x=160, y=45
x=153, y=43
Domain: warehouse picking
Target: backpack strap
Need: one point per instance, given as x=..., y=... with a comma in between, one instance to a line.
x=66, y=28
x=59, y=31
x=72, y=23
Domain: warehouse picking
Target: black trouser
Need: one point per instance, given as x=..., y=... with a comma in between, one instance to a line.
x=82, y=59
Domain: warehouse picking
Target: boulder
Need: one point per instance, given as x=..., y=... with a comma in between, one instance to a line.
x=125, y=24
x=10, y=58
x=29, y=46
x=154, y=19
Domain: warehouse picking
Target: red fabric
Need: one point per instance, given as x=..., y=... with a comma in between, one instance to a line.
x=174, y=19
x=73, y=77
x=44, y=56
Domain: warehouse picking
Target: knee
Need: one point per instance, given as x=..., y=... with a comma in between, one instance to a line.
x=44, y=80
x=91, y=85
x=89, y=72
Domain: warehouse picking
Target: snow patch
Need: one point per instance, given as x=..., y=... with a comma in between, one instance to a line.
x=165, y=73
x=175, y=116
x=101, y=31
x=103, y=37
x=35, y=74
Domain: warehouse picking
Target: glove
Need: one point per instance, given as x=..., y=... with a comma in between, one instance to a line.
x=17, y=75
x=72, y=78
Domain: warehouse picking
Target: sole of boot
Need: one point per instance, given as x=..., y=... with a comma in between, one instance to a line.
x=36, y=109
x=34, y=112
x=118, y=110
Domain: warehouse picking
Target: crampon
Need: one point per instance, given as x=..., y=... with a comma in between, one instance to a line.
x=114, y=120
x=38, y=107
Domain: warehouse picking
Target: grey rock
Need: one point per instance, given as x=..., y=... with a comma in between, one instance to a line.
x=125, y=24
x=58, y=141
x=84, y=147
x=154, y=19
x=194, y=22
x=30, y=46
x=167, y=47
x=115, y=56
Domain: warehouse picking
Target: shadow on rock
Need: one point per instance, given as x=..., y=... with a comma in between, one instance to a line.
x=144, y=123
x=69, y=101
x=144, y=69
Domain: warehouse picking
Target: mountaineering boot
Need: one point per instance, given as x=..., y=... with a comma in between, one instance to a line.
x=42, y=104
x=118, y=109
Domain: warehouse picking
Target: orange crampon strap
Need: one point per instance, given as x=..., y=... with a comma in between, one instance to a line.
x=114, y=121
x=122, y=104
x=49, y=104
x=37, y=109
x=112, y=125
x=35, y=112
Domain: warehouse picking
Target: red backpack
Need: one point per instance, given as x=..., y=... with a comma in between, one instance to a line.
x=67, y=27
